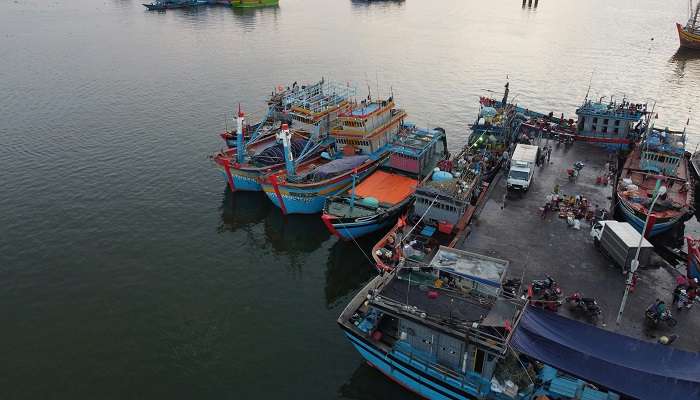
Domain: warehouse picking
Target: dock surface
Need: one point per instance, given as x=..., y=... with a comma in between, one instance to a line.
x=515, y=231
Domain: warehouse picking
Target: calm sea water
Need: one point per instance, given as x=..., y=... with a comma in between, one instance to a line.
x=128, y=271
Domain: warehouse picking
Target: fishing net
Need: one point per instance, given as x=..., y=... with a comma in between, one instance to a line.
x=275, y=153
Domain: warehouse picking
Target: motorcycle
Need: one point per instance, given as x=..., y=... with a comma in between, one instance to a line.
x=511, y=287
x=575, y=171
x=587, y=305
x=654, y=318
x=545, y=293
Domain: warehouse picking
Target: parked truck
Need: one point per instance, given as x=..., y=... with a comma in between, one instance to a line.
x=522, y=167
x=619, y=240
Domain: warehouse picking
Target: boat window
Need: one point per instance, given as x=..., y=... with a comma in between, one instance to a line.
x=605, y=129
x=605, y=121
x=595, y=120
x=617, y=122
x=595, y=128
x=616, y=130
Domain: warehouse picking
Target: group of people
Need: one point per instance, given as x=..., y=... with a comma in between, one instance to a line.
x=544, y=155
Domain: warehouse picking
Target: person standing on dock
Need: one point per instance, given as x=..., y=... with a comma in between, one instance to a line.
x=549, y=153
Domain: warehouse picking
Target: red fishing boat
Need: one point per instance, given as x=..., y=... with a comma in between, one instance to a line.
x=689, y=35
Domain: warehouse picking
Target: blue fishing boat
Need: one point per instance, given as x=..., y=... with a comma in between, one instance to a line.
x=448, y=331
x=378, y=200
x=310, y=110
x=365, y=133
x=660, y=159
x=612, y=125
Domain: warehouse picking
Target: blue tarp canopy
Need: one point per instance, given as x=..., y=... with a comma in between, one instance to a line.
x=620, y=363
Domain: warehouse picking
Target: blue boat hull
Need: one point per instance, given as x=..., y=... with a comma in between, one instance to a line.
x=302, y=199
x=351, y=231
x=245, y=183
x=638, y=223
x=412, y=377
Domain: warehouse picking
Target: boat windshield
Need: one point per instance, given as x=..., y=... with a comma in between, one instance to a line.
x=519, y=175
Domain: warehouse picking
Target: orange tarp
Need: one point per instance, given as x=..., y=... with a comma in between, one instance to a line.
x=386, y=187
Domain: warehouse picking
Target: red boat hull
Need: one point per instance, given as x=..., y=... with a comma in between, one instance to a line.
x=687, y=39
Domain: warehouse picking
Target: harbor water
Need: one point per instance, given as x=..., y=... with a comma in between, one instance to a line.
x=128, y=270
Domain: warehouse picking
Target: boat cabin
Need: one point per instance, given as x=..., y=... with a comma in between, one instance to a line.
x=415, y=149
x=368, y=126
x=610, y=121
x=315, y=108
x=443, y=198
x=662, y=151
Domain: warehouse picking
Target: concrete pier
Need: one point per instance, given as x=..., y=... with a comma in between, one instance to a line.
x=536, y=247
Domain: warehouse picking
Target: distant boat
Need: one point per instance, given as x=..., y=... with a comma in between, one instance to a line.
x=660, y=157
x=253, y=3
x=171, y=4
x=689, y=35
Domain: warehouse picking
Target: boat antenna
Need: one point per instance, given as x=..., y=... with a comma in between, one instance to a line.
x=376, y=77
x=369, y=89
x=225, y=122
x=590, y=81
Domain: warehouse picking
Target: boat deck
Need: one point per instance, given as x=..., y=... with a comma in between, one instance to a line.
x=536, y=247
x=445, y=305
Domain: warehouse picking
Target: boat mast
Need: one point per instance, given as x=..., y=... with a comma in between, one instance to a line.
x=240, y=145
x=286, y=139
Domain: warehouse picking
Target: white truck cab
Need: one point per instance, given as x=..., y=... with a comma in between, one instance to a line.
x=522, y=167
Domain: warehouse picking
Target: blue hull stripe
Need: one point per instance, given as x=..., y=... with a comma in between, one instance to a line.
x=407, y=375
x=349, y=231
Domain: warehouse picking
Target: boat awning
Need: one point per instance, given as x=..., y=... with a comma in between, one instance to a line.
x=386, y=187
x=622, y=364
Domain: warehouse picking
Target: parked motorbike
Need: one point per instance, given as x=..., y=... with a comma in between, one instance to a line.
x=654, y=318
x=588, y=305
x=511, y=287
x=545, y=293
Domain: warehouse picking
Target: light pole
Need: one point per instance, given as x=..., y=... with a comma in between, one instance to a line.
x=659, y=191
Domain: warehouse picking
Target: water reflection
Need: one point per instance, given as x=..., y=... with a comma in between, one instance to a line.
x=348, y=268
x=685, y=59
x=242, y=210
x=248, y=16
x=367, y=383
x=296, y=233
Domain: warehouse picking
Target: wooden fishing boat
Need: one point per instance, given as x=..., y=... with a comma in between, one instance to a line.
x=367, y=131
x=445, y=202
x=384, y=195
x=689, y=35
x=660, y=159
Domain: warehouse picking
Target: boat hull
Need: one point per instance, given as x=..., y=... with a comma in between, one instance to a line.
x=253, y=3
x=353, y=228
x=409, y=376
x=687, y=40
x=310, y=198
x=637, y=220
